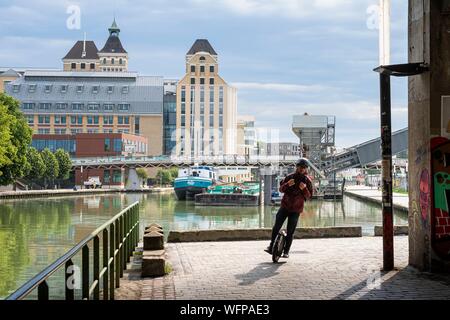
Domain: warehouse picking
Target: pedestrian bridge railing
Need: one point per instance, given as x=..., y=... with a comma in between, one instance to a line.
x=119, y=237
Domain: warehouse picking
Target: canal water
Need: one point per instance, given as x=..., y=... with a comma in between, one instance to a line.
x=35, y=232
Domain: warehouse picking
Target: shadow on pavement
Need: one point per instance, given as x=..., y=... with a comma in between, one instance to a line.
x=263, y=270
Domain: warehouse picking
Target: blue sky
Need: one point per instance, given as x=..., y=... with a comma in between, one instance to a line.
x=285, y=57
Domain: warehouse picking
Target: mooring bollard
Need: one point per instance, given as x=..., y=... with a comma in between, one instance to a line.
x=153, y=258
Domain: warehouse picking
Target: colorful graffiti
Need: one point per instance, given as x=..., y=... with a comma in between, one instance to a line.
x=424, y=198
x=440, y=166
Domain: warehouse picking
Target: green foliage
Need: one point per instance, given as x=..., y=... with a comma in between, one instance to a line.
x=15, y=137
x=142, y=173
x=51, y=164
x=164, y=176
x=174, y=173
x=37, y=166
x=64, y=163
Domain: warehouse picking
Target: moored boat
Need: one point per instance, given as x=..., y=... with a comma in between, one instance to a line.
x=193, y=180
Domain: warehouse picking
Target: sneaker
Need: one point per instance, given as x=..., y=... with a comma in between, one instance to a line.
x=285, y=255
x=268, y=250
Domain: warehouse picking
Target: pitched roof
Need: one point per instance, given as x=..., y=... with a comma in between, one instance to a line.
x=77, y=50
x=113, y=45
x=201, y=45
x=9, y=73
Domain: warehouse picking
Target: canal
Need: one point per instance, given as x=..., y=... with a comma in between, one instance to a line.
x=35, y=232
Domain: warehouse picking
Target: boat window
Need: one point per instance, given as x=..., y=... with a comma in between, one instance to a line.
x=195, y=173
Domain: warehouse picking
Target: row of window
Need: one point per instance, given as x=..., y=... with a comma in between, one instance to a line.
x=113, y=61
x=64, y=88
x=202, y=81
x=78, y=130
x=78, y=120
x=77, y=106
x=202, y=68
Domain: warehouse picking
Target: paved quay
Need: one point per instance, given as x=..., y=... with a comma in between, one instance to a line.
x=343, y=268
x=401, y=201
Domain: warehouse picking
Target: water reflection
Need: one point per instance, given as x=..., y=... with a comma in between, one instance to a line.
x=34, y=233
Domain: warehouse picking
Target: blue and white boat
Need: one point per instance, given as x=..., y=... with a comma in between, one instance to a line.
x=194, y=180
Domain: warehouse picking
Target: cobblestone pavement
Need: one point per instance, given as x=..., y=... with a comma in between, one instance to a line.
x=344, y=268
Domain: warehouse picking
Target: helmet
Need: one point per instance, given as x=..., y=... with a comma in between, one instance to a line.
x=302, y=163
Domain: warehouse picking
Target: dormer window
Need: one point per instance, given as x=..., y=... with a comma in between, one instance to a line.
x=32, y=88
x=73, y=66
x=92, y=66
x=202, y=58
x=83, y=66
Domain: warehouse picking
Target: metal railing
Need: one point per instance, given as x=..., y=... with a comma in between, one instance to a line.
x=120, y=236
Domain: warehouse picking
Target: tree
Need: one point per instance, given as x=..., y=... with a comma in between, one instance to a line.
x=142, y=174
x=174, y=173
x=64, y=164
x=164, y=177
x=37, y=166
x=51, y=165
x=15, y=137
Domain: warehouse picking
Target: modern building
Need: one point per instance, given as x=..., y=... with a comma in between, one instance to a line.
x=59, y=102
x=246, y=136
x=206, y=106
x=82, y=145
x=85, y=56
x=169, y=117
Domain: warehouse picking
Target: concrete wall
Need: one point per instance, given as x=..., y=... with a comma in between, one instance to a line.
x=429, y=41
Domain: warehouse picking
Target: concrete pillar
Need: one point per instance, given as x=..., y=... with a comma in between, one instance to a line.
x=429, y=42
x=266, y=175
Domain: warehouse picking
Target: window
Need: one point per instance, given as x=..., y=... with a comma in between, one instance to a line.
x=211, y=69
x=211, y=81
x=192, y=68
x=136, y=125
x=95, y=89
x=108, y=107
x=202, y=80
x=202, y=58
x=125, y=89
x=183, y=108
x=61, y=106
x=64, y=88
x=28, y=106
x=60, y=131
x=117, y=176
x=92, y=119
x=43, y=119
x=48, y=88
x=106, y=175
x=77, y=106
x=123, y=120
x=112, y=60
x=79, y=89
x=104, y=60
x=183, y=94
x=43, y=131
x=124, y=106
x=202, y=69
x=30, y=118
x=92, y=66
x=110, y=89
x=183, y=120
x=32, y=88
x=118, y=145
x=45, y=106
x=120, y=61
x=76, y=119
x=192, y=80
x=93, y=107
x=83, y=66
x=108, y=119
x=16, y=88
x=73, y=66
x=60, y=119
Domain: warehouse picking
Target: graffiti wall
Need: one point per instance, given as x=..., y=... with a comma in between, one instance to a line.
x=440, y=166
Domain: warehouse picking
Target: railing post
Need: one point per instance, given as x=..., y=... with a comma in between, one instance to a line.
x=70, y=276
x=117, y=251
x=97, y=267
x=112, y=248
x=129, y=234
x=122, y=247
x=105, y=264
x=85, y=274
x=43, y=291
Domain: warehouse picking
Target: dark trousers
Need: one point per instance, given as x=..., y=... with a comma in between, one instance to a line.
x=291, y=226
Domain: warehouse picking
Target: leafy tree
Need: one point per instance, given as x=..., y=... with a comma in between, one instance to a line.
x=142, y=174
x=36, y=164
x=64, y=164
x=174, y=173
x=15, y=137
x=164, y=176
x=51, y=165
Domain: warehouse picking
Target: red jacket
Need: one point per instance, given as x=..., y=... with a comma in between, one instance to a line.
x=294, y=198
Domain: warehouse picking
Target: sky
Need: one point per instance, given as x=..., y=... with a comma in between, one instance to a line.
x=286, y=57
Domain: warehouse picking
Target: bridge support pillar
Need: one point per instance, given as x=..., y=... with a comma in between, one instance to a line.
x=267, y=177
x=429, y=147
x=133, y=181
